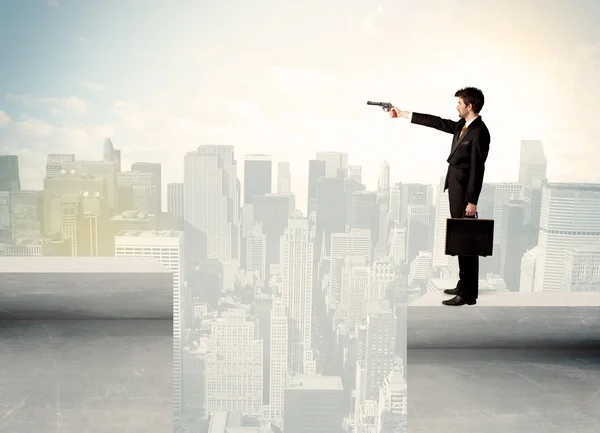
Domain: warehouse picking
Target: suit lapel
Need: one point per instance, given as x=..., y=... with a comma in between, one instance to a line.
x=459, y=139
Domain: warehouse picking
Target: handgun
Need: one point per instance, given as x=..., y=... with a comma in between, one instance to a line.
x=385, y=106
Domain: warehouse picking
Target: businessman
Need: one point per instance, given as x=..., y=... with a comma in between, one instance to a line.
x=464, y=179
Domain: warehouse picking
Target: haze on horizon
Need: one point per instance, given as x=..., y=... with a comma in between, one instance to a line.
x=290, y=79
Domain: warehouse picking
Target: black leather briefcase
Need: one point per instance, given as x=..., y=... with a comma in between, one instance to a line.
x=469, y=237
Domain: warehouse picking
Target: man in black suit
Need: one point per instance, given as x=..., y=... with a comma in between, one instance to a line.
x=464, y=180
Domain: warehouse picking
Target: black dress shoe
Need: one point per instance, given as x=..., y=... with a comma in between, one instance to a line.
x=456, y=290
x=459, y=300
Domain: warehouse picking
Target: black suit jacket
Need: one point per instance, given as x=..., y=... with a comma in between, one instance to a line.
x=466, y=162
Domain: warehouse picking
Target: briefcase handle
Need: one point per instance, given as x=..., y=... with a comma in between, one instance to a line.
x=476, y=215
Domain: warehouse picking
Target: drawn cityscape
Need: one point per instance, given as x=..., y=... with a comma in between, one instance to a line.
x=290, y=319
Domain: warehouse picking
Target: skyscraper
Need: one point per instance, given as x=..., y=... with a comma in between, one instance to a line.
x=569, y=217
x=155, y=171
x=9, y=173
x=333, y=162
x=533, y=163
x=316, y=170
x=383, y=183
x=175, y=199
x=211, y=200
x=296, y=289
x=284, y=178
x=257, y=176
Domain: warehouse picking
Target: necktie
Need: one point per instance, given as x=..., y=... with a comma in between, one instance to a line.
x=462, y=131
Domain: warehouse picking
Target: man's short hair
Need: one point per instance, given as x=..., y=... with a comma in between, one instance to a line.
x=473, y=96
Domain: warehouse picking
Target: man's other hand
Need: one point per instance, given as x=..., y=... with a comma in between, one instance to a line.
x=471, y=210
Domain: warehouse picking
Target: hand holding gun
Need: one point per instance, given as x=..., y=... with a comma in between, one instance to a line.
x=389, y=108
x=385, y=106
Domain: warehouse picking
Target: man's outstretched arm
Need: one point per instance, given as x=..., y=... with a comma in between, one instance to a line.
x=435, y=122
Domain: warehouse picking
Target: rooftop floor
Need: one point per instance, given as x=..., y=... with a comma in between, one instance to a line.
x=503, y=390
x=86, y=376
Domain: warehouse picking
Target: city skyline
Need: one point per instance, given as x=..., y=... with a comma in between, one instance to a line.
x=214, y=165
x=159, y=90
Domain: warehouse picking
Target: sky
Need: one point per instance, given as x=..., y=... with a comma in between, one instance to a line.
x=160, y=78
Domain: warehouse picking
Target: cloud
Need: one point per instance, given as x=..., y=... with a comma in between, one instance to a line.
x=33, y=139
x=52, y=3
x=4, y=119
x=96, y=87
x=71, y=105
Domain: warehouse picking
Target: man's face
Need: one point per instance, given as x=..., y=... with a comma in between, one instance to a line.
x=462, y=109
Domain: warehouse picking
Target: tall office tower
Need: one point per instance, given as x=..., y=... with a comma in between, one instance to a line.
x=262, y=310
x=70, y=217
x=93, y=236
x=80, y=217
x=175, y=199
x=532, y=202
x=362, y=212
x=419, y=267
x=101, y=170
x=67, y=183
x=582, y=269
x=355, y=286
x=257, y=176
x=296, y=289
x=211, y=199
x=503, y=193
x=570, y=217
x=27, y=214
x=135, y=192
x=110, y=154
x=334, y=161
x=397, y=244
x=316, y=170
x=278, y=360
x=384, y=228
x=5, y=226
x=512, y=244
x=284, y=178
x=395, y=202
x=356, y=242
x=380, y=355
x=313, y=404
x=256, y=251
x=234, y=360
x=167, y=248
x=392, y=410
x=380, y=350
x=9, y=173
x=155, y=171
x=331, y=212
x=413, y=194
x=527, y=274
x=533, y=163
x=419, y=224
x=442, y=213
x=527, y=277
x=383, y=183
x=533, y=166
x=273, y=211
x=55, y=163
x=382, y=274
x=354, y=173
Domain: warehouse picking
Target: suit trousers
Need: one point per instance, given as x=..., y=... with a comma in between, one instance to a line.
x=468, y=273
